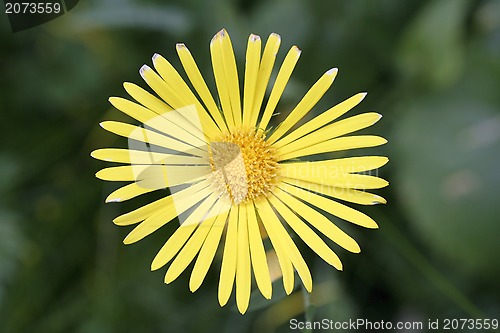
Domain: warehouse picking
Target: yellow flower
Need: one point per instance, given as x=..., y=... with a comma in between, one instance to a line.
x=231, y=176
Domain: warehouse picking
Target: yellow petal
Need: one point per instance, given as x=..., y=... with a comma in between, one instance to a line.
x=223, y=79
x=199, y=84
x=282, y=241
x=141, y=134
x=345, y=194
x=145, y=157
x=243, y=278
x=337, y=166
x=231, y=74
x=339, y=128
x=155, y=176
x=265, y=69
x=306, y=233
x=337, y=144
x=331, y=206
x=322, y=119
x=179, y=102
x=168, y=123
x=207, y=252
x=319, y=221
x=229, y=258
x=127, y=192
x=170, y=75
x=305, y=105
x=161, y=88
x=348, y=180
x=182, y=120
x=147, y=99
x=285, y=263
x=142, y=213
x=181, y=235
x=251, y=74
x=337, y=172
x=193, y=245
x=172, y=208
x=279, y=85
x=258, y=254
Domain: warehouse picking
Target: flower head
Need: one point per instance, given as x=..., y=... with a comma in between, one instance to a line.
x=233, y=177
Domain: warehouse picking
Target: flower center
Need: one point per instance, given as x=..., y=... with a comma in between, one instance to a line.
x=243, y=165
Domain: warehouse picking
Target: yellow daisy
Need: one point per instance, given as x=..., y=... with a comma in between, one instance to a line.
x=231, y=176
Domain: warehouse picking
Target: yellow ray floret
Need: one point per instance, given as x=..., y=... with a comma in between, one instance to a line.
x=331, y=206
x=319, y=221
x=199, y=84
x=177, y=101
x=333, y=145
x=258, y=254
x=266, y=66
x=306, y=104
x=251, y=75
x=229, y=258
x=243, y=277
x=279, y=85
x=338, y=172
x=193, y=245
x=130, y=156
x=345, y=194
x=155, y=176
x=207, y=252
x=283, y=244
x=158, y=207
x=172, y=120
x=231, y=75
x=331, y=131
x=305, y=232
x=225, y=78
x=321, y=119
x=144, y=135
x=177, y=205
x=128, y=192
x=186, y=229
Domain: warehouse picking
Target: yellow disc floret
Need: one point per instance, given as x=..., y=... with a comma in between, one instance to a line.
x=243, y=165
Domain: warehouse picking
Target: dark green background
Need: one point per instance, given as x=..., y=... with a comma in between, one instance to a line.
x=432, y=68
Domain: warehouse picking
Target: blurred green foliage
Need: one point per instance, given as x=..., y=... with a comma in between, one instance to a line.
x=432, y=68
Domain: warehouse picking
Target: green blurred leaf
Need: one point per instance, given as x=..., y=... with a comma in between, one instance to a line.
x=431, y=50
x=292, y=19
x=12, y=241
x=127, y=14
x=447, y=160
